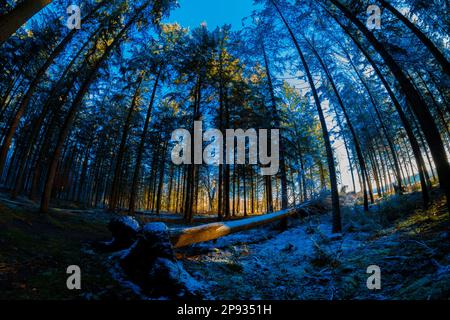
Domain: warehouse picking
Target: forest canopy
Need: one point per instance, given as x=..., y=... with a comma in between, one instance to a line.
x=87, y=114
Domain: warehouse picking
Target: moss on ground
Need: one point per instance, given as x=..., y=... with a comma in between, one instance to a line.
x=408, y=242
x=37, y=249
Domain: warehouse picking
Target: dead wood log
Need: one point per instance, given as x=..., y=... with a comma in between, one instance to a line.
x=151, y=264
x=185, y=237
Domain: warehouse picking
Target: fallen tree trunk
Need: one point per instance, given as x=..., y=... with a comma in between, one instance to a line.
x=185, y=237
x=144, y=219
x=150, y=262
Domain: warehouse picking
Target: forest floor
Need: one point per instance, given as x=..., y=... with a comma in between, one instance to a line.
x=307, y=262
x=35, y=251
x=303, y=262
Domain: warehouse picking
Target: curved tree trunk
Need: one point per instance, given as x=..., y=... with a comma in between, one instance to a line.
x=36, y=127
x=27, y=97
x=32, y=88
x=337, y=225
x=398, y=107
x=356, y=142
x=419, y=107
x=438, y=55
x=65, y=130
x=12, y=21
x=380, y=119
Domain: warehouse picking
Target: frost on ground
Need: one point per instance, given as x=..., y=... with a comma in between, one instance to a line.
x=274, y=268
x=308, y=262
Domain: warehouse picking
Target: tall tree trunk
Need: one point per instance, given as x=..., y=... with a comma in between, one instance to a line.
x=36, y=127
x=84, y=169
x=37, y=79
x=244, y=185
x=303, y=176
x=161, y=179
x=406, y=87
x=356, y=142
x=41, y=157
x=121, y=153
x=65, y=130
x=226, y=175
x=140, y=152
x=337, y=225
x=190, y=199
x=277, y=123
x=269, y=191
x=438, y=55
x=380, y=119
x=12, y=21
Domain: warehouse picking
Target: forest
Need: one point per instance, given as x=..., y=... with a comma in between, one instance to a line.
x=92, y=91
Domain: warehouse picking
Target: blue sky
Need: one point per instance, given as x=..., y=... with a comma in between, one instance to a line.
x=214, y=12
x=219, y=12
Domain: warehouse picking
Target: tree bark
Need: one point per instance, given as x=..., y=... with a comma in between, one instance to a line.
x=65, y=130
x=208, y=232
x=121, y=153
x=141, y=147
x=33, y=86
x=337, y=225
x=36, y=127
x=356, y=142
x=438, y=55
x=277, y=123
x=12, y=21
x=414, y=100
